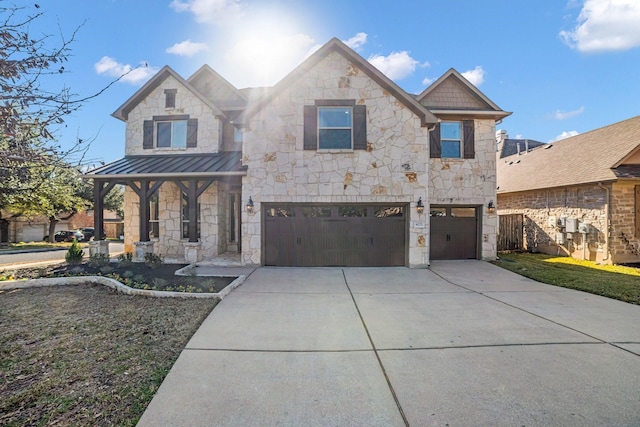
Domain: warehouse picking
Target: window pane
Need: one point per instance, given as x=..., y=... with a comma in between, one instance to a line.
x=385, y=212
x=451, y=149
x=237, y=134
x=352, y=211
x=450, y=130
x=334, y=117
x=316, y=211
x=463, y=212
x=280, y=212
x=180, y=134
x=334, y=138
x=164, y=134
x=438, y=212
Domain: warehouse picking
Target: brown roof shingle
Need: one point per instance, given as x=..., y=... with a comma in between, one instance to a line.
x=582, y=159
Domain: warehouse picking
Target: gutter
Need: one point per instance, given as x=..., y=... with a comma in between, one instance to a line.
x=607, y=214
x=164, y=176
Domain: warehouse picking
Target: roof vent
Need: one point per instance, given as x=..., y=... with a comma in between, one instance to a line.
x=548, y=146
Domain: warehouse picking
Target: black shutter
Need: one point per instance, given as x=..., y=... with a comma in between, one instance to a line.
x=469, y=139
x=360, y=127
x=147, y=134
x=192, y=133
x=435, y=148
x=310, y=127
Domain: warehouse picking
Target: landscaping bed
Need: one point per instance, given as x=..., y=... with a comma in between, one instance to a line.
x=87, y=355
x=160, y=277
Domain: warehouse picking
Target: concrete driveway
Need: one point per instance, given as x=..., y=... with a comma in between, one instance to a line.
x=464, y=343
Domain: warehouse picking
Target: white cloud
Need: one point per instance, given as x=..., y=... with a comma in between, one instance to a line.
x=563, y=115
x=356, y=41
x=475, y=76
x=110, y=67
x=186, y=48
x=210, y=11
x=604, y=25
x=519, y=136
x=565, y=134
x=396, y=65
x=427, y=81
x=264, y=59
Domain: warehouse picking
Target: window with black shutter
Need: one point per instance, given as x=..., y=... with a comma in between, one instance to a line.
x=335, y=125
x=452, y=140
x=170, y=132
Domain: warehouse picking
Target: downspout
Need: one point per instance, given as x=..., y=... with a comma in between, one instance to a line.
x=607, y=222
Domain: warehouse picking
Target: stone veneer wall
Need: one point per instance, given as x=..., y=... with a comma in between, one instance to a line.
x=170, y=242
x=470, y=182
x=392, y=170
x=624, y=244
x=209, y=127
x=587, y=203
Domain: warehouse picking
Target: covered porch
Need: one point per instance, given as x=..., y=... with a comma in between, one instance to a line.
x=183, y=207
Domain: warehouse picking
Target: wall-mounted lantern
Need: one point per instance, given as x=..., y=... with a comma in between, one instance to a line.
x=491, y=207
x=249, y=206
x=419, y=206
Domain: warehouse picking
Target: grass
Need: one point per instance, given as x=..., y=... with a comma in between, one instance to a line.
x=35, y=245
x=86, y=355
x=612, y=281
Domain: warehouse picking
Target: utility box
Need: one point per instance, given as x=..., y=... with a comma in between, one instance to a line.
x=583, y=228
x=571, y=225
x=560, y=238
x=552, y=222
x=562, y=221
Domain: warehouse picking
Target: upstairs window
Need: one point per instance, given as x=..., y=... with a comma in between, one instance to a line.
x=237, y=134
x=171, y=134
x=168, y=132
x=452, y=140
x=335, y=128
x=335, y=124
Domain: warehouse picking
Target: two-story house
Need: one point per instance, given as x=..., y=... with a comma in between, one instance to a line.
x=335, y=165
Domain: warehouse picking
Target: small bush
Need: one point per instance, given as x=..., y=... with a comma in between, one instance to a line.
x=125, y=259
x=99, y=260
x=74, y=254
x=127, y=274
x=106, y=269
x=152, y=260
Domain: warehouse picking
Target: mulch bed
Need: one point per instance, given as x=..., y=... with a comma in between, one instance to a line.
x=136, y=275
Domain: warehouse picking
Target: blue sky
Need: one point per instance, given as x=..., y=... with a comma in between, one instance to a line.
x=561, y=66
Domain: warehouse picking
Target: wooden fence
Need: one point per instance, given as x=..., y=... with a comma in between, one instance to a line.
x=510, y=232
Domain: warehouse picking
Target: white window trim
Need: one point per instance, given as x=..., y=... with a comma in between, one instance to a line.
x=460, y=146
x=334, y=107
x=170, y=148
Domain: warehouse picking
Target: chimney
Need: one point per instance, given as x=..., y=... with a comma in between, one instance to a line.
x=501, y=136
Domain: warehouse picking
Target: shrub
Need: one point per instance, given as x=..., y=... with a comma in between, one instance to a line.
x=125, y=259
x=152, y=260
x=74, y=254
x=99, y=260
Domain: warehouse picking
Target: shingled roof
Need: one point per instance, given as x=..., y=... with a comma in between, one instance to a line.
x=586, y=158
x=509, y=147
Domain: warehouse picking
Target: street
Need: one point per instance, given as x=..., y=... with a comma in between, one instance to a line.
x=27, y=258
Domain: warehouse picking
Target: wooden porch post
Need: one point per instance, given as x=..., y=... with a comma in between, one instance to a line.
x=98, y=209
x=192, y=199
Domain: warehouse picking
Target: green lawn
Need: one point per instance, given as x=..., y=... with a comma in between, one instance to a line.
x=612, y=281
x=33, y=245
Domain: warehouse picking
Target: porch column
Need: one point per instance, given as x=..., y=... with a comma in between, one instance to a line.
x=192, y=198
x=100, y=190
x=144, y=213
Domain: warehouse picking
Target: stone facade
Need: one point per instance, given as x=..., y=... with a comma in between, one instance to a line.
x=624, y=242
x=209, y=127
x=470, y=182
x=392, y=170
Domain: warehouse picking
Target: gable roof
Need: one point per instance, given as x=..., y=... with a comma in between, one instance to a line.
x=123, y=111
x=586, y=158
x=217, y=89
x=509, y=147
x=476, y=103
x=335, y=45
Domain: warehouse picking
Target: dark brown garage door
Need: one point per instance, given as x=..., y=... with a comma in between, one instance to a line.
x=454, y=232
x=344, y=235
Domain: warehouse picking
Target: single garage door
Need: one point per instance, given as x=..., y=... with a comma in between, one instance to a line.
x=330, y=235
x=454, y=232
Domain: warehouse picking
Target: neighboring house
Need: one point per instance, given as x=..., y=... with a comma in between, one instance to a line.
x=508, y=147
x=579, y=196
x=334, y=165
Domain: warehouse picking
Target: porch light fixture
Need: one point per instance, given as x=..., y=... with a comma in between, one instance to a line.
x=249, y=207
x=420, y=206
x=491, y=207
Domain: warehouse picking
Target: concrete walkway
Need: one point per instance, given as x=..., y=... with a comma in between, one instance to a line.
x=464, y=343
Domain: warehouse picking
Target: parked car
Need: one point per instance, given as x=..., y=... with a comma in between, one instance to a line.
x=67, y=236
x=89, y=233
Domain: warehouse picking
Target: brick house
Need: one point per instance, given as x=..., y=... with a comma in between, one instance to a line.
x=334, y=165
x=579, y=196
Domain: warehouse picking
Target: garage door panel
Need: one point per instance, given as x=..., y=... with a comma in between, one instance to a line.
x=347, y=235
x=454, y=233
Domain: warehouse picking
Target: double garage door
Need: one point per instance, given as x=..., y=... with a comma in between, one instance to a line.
x=335, y=235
